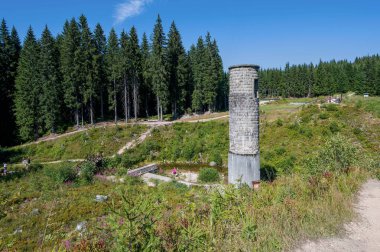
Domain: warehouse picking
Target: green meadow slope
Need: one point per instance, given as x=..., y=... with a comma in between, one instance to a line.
x=314, y=159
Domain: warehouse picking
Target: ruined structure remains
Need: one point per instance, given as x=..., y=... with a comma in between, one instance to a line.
x=244, y=153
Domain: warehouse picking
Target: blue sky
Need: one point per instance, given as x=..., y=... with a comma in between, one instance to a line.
x=269, y=33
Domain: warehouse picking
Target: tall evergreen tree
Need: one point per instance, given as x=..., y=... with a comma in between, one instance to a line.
x=113, y=68
x=199, y=66
x=99, y=67
x=71, y=80
x=9, y=55
x=50, y=96
x=125, y=65
x=159, y=73
x=134, y=68
x=146, y=87
x=28, y=89
x=178, y=71
x=84, y=63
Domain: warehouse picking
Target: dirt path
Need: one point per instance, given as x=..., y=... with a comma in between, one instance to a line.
x=111, y=124
x=129, y=145
x=363, y=234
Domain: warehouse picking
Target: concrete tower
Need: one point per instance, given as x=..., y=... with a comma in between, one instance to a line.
x=244, y=154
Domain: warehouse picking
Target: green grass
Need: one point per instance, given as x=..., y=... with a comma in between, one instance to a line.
x=305, y=193
x=80, y=145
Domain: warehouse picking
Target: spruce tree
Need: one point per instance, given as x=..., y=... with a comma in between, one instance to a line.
x=113, y=68
x=146, y=87
x=125, y=65
x=134, y=67
x=99, y=67
x=178, y=71
x=84, y=63
x=9, y=55
x=50, y=96
x=159, y=73
x=28, y=90
x=71, y=80
x=199, y=67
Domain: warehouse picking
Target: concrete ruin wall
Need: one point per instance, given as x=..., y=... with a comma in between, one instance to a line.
x=244, y=152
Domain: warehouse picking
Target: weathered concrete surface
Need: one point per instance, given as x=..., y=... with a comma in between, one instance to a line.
x=246, y=168
x=363, y=234
x=244, y=158
x=142, y=170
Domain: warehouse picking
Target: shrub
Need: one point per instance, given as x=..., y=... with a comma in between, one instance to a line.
x=64, y=172
x=208, y=175
x=338, y=154
x=132, y=226
x=323, y=116
x=331, y=107
x=217, y=158
x=279, y=122
x=334, y=127
x=87, y=171
x=306, y=131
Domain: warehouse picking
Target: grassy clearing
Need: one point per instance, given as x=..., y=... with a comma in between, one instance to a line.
x=313, y=161
x=107, y=140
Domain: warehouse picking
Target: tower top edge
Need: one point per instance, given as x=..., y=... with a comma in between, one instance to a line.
x=245, y=66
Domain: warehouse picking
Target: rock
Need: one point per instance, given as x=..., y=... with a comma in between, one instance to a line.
x=18, y=231
x=35, y=211
x=101, y=198
x=81, y=226
x=111, y=178
x=212, y=163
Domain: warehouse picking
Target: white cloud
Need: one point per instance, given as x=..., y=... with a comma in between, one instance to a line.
x=128, y=9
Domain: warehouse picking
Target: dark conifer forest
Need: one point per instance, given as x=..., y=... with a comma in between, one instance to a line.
x=81, y=76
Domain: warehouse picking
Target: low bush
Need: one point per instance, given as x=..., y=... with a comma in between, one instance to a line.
x=334, y=127
x=64, y=172
x=279, y=122
x=208, y=175
x=338, y=154
x=323, y=116
x=331, y=107
x=87, y=172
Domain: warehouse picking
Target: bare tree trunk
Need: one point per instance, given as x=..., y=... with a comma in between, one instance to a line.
x=146, y=106
x=101, y=104
x=82, y=116
x=91, y=111
x=161, y=113
x=115, y=97
x=77, y=117
x=125, y=100
x=158, y=108
x=135, y=102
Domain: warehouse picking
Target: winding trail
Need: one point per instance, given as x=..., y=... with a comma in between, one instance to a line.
x=129, y=145
x=363, y=234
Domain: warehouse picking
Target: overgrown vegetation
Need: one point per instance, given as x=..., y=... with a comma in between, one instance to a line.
x=309, y=172
x=208, y=175
x=107, y=140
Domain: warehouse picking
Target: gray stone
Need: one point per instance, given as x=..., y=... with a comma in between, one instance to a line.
x=35, y=211
x=18, y=231
x=212, y=163
x=101, y=198
x=81, y=226
x=244, y=151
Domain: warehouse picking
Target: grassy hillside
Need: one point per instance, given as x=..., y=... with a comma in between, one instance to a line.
x=106, y=140
x=314, y=159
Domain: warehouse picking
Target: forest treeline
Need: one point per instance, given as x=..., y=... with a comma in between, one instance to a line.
x=326, y=78
x=81, y=76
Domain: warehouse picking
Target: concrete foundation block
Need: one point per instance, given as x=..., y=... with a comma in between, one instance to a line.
x=243, y=169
